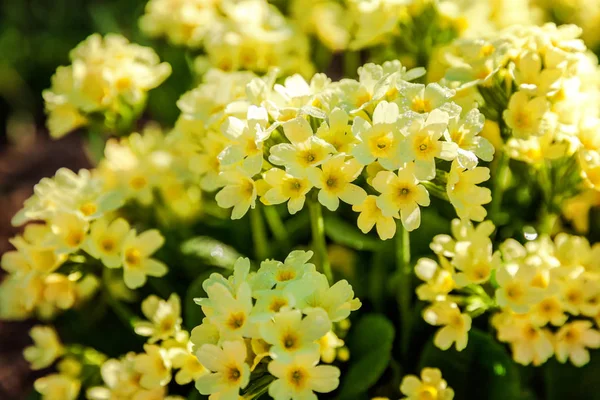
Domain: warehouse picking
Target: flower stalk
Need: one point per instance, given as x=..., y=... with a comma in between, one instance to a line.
x=404, y=283
x=317, y=226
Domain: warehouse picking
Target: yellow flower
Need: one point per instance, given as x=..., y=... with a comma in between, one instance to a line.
x=525, y=116
x=438, y=279
x=286, y=187
x=229, y=371
x=430, y=386
x=334, y=181
x=422, y=144
x=403, y=193
x=573, y=340
x=57, y=387
x=549, y=310
x=105, y=241
x=328, y=345
x=164, y=318
x=338, y=300
x=229, y=312
x=304, y=150
x=70, y=232
x=424, y=99
x=246, y=139
x=337, y=132
x=189, y=367
x=529, y=343
x=60, y=291
x=371, y=215
x=290, y=334
x=464, y=194
x=464, y=131
x=239, y=192
x=378, y=141
x=46, y=349
x=153, y=366
x=300, y=376
x=137, y=263
x=455, y=328
x=515, y=291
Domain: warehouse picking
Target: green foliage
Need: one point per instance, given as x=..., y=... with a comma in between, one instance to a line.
x=345, y=233
x=370, y=346
x=210, y=251
x=565, y=381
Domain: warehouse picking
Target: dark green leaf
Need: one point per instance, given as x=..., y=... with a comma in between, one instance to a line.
x=565, y=381
x=210, y=251
x=344, y=233
x=370, y=346
x=484, y=370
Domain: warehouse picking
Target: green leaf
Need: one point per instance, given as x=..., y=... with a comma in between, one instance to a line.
x=210, y=251
x=370, y=346
x=484, y=370
x=347, y=234
x=192, y=312
x=565, y=381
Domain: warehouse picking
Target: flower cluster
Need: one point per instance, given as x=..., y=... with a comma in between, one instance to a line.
x=167, y=355
x=236, y=35
x=275, y=321
x=319, y=136
x=545, y=292
x=540, y=86
x=151, y=167
x=106, y=83
x=47, y=349
x=75, y=222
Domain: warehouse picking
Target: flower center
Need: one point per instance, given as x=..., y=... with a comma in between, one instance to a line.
x=298, y=377
x=285, y=275
x=108, y=245
x=88, y=209
x=133, y=257
x=236, y=320
x=74, y=239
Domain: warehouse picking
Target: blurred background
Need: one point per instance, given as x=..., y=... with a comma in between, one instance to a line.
x=35, y=38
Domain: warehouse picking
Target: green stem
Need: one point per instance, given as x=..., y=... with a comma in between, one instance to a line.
x=404, y=284
x=317, y=226
x=277, y=226
x=259, y=235
x=95, y=145
x=547, y=218
x=351, y=63
x=498, y=187
x=123, y=313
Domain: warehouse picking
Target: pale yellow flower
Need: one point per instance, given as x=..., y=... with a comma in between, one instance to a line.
x=47, y=347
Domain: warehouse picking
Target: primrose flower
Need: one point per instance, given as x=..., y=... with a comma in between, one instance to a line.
x=137, y=264
x=402, y=193
x=240, y=190
x=422, y=144
x=299, y=377
x=105, y=241
x=229, y=372
x=164, y=318
x=456, y=326
x=305, y=150
x=430, y=386
x=378, y=141
x=153, y=366
x=371, y=215
x=289, y=333
x=334, y=181
x=572, y=341
x=47, y=347
x=286, y=187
